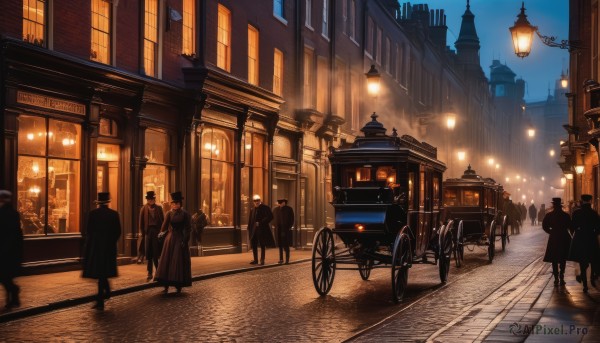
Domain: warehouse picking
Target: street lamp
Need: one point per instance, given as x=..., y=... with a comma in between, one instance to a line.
x=564, y=82
x=552, y=153
x=531, y=132
x=579, y=169
x=522, y=36
x=461, y=155
x=373, y=81
x=450, y=124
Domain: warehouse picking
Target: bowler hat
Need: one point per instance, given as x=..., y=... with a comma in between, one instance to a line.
x=586, y=197
x=556, y=201
x=103, y=198
x=176, y=197
x=282, y=200
x=150, y=195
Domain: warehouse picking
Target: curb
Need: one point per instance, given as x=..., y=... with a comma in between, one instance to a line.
x=32, y=311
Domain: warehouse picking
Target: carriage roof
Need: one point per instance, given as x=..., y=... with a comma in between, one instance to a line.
x=375, y=146
x=470, y=178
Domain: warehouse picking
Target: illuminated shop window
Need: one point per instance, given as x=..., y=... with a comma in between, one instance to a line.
x=156, y=174
x=216, y=191
x=255, y=171
x=48, y=175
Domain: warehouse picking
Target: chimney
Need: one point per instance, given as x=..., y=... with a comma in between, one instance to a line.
x=438, y=29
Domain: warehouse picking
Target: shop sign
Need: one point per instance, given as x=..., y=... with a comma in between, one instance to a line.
x=50, y=103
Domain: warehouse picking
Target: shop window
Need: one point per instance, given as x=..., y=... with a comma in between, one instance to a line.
x=224, y=38
x=48, y=175
x=101, y=22
x=252, y=55
x=156, y=174
x=255, y=171
x=34, y=22
x=150, y=37
x=216, y=191
x=188, y=28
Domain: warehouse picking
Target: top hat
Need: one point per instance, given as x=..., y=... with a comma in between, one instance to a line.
x=103, y=198
x=279, y=201
x=176, y=197
x=256, y=197
x=586, y=197
x=150, y=195
x=556, y=201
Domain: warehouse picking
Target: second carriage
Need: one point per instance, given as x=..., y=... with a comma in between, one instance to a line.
x=473, y=210
x=387, y=201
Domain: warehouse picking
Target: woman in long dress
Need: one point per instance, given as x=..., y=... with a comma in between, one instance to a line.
x=175, y=264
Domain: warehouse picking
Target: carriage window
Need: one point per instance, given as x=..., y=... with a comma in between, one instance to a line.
x=411, y=190
x=436, y=192
x=422, y=189
x=470, y=198
x=490, y=199
x=450, y=197
x=363, y=174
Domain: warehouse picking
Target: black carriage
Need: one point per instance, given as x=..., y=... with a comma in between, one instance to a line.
x=473, y=212
x=387, y=201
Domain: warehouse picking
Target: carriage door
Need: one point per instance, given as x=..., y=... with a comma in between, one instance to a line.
x=424, y=212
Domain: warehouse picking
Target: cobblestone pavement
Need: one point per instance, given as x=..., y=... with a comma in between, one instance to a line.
x=281, y=305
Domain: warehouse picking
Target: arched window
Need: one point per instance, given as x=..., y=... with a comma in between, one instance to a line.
x=216, y=190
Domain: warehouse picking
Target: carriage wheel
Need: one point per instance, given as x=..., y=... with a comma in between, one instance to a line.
x=401, y=259
x=492, y=241
x=504, y=233
x=459, y=248
x=445, y=255
x=364, y=268
x=323, y=261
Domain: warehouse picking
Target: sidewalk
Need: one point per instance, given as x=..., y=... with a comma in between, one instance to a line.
x=47, y=292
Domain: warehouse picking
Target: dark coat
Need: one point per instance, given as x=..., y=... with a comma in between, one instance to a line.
x=541, y=213
x=100, y=253
x=149, y=244
x=586, y=227
x=175, y=264
x=532, y=212
x=263, y=215
x=557, y=223
x=511, y=211
x=11, y=243
x=283, y=220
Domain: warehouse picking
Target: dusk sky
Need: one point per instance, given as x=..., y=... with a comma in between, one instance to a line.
x=492, y=20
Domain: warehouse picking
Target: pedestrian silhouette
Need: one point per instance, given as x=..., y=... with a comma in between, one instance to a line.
x=584, y=246
x=532, y=213
x=150, y=222
x=557, y=224
x=283, y=218
x=258, y=228
x=100, y=252
x=11, y=248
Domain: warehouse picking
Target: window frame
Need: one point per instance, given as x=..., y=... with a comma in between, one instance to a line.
x=34, y=23
x=253, y=56
x=151, y=41
x=278, y=68
x=107, y=34
x=189, y=26
x=224, y=31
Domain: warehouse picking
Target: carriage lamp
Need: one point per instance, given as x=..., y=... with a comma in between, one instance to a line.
x=359, y=227
x=579, y=169
x=373, y=81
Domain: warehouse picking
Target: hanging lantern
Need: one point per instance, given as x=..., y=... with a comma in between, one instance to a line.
x=522, y=34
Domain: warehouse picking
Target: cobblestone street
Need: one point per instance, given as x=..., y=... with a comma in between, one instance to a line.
x=280, y=305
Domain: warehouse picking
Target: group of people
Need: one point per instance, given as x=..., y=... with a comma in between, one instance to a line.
x=259, y=230
x=574, y=238
x=518, y=213
x=536, y=216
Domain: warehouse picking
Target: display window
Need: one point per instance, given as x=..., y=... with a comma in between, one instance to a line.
x=216, y=191
x=48, y=175
x=156, y=174
x=255, y=172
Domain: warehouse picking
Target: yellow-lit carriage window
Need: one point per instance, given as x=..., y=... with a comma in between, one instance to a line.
x=101, y=21
x=450, y=198
x=278, y=72
x=436, y=192
x=411, y=190
x=422, y=189
x=470, y=198
x=34, y=22
x=156, y=174
x=150, y=36
x=189, y=25
x=224, y=38
x=363, y=174
x=216, y=191
x=48, y=175
x=252, y=55
x=387, y=174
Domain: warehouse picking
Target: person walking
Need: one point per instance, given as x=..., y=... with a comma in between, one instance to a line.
x=11, y=249
x=100, y=252
x=584, y=245
x=283, y=217
x=541, y=213
x=175, y=264
x=258, y=228
x=199, y=222
x=532, y=213
x=150, y=221
x=557, y=224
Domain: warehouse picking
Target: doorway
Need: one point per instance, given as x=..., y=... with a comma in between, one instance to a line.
x=107, y=173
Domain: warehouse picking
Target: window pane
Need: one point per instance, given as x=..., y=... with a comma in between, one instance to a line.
x=157, y=146
x=258, y=149
x=223, y=37
x=188, y=27
x=31, y=194
x=205, y=187
x=222, y=193
x=155, y=178
x=278, y=72
x=63, y=196
x=32, y=135
x=246, y=197
x=64, y=139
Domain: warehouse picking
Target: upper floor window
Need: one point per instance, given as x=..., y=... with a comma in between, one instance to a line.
x=224, y=39
x=378, y=46
x=352, y=20
x=101, y=22
x=308, y=19
x=34, y=22
x=252, y=55
x=150, y=37
x=278, y=72
x=308, y=77
x=370, y=35
x=325, y=26
x=188, y=37
x=278, y=6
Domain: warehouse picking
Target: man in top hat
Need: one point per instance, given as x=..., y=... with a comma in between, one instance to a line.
x=150, y=221
x=11, y=248
x=584, y=249
x=283, y=218
x=557, y=223
x=100, y=253
x=258, y=228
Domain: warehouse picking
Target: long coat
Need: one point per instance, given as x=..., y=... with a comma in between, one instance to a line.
x=149, y=244
x=263, y=215
x=175, y=264
x=541, y=213
x=532, y=212
x=100, y=254
x=11, y=243
x=586, y=227
x=557, y=223
x=283, y=219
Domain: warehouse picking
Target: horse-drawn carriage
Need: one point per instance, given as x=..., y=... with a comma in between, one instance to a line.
x=473, y=211
x=387, y=201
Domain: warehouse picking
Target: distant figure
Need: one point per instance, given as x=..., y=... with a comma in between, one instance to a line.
x=532, y=213
x=283, y=218
x=199, y=222
x=11, y=248
x=584, y=247
x=557, y=223
x=150, y=221
x=258, y=228
x=175, y=264
x=100, y=253
x=541, y=213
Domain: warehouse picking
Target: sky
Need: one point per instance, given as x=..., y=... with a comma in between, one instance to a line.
x=543, y=66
